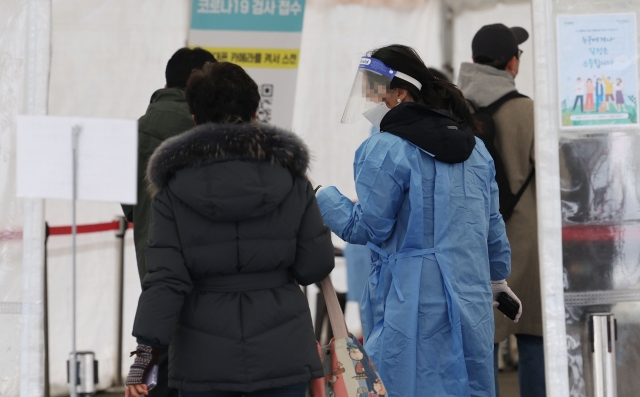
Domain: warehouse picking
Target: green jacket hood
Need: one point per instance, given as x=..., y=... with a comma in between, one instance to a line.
x=167, y=114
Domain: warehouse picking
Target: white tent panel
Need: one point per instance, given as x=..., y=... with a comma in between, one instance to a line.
x=459, y=6
x=333, y=40
x=24, y=63
x=13, y=36
x=108, y=57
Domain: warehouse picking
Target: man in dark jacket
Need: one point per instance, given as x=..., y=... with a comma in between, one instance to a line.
x=168, y=115
x=490, y=79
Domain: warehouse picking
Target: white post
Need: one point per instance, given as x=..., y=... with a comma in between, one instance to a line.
x=32, y=343
x=32, y=364
x=548, y=197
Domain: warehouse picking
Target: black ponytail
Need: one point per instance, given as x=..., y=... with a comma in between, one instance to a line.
x=436, y=93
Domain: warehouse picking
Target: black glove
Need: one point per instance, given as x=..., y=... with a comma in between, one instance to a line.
x=146, y=358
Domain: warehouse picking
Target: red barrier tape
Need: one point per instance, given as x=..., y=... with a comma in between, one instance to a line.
x=581, y=233
x=66, y=230
x=584, y=234
x=81, y=229
x=11, y=235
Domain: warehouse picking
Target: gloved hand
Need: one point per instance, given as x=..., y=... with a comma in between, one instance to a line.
x=146, y=358
x=501, y=286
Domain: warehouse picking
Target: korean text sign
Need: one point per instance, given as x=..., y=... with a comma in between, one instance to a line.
x=597, y=70
x=263, y=37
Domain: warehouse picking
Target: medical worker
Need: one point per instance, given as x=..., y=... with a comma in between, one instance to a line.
x=428, y=209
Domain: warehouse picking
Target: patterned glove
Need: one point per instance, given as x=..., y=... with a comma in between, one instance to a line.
x=146, y=357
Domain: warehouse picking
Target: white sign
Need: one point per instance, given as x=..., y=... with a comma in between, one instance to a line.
x=107, y=158
x=597, y=70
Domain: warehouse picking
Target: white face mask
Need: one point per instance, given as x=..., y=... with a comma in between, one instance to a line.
x=376, y=113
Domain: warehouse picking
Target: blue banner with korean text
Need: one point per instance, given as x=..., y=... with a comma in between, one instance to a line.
x=248, y=15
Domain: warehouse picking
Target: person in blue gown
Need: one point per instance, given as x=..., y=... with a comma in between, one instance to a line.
x=428, y=209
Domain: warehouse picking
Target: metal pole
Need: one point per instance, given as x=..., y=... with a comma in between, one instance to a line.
x=122, y=230
x=602, y=330
x=45, y=303
x=75, y=134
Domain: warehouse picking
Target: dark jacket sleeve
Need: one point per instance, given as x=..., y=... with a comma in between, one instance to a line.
x=167, y=281
x=127, y=210
x=314, y=254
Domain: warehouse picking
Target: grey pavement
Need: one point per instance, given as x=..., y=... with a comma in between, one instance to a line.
x=508, y=386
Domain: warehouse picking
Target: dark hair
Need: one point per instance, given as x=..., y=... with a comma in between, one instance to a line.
x=499, y=64
x=439, y=75
x=435, y=93
x=182, y=63
x=222, y=92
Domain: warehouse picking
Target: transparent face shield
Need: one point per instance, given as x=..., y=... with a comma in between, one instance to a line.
x=371, y=87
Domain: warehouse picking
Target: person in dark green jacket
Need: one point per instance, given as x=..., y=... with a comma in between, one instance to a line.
x=167, y=116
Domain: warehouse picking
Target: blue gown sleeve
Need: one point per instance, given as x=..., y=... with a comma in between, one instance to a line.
x=499, y=248
x=379, y=186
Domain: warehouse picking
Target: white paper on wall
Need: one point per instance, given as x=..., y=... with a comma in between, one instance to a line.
x=107, y=158
x=597, y=70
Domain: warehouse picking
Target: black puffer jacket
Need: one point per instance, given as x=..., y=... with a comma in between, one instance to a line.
x=234, y=221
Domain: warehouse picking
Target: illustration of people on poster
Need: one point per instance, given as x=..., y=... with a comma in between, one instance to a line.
x=597, y=70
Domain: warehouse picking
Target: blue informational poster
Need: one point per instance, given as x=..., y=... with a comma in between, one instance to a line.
x=248, y=15
x=597, y=70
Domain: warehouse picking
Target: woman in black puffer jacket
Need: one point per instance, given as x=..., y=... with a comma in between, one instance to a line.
x=234, y=223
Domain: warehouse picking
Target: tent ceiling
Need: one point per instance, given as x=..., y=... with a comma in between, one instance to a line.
x=456, y=6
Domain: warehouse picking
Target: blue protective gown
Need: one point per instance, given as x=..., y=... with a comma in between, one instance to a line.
x=438, y=240
x=358, y=258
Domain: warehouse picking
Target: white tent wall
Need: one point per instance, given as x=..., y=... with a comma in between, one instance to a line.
x=468, y=22
x=108, y=58
x=333, y=40
x=24, y=66
x=13, y=36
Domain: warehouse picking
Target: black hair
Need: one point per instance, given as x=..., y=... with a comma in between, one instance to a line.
x=222, y=92
x=499, y=64
x=182, y=63
x=436, y=93
x=439, y=75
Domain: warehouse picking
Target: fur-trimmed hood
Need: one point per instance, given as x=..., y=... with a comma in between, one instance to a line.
x=226, y=171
